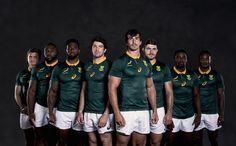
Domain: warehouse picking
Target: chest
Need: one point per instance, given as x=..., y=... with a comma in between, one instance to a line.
x=70, y=74
x=207, y=80
x=94, y=72
x=183, y=80
x=136, y=68
x=44, y=73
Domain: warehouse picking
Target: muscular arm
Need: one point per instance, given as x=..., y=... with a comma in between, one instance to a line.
x=113, y=83
x=169, y=102
x=31, y=96
x=152, y=98
x=52, y=95
x=196, y=100
x=18, y=98
x=221, y=102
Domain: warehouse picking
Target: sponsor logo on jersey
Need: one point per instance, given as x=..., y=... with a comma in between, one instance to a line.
x=65, y=71
x=139, y=69
x=89, y=67
x=183, y=83
x=41, y=69
x=92, y=74
x=73, y=76
x=129, y=63
x=204, y=83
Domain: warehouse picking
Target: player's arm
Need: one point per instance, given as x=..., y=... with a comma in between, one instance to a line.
x=196, y=100
x=169, y=102
x=17, y=95
x=31, y=99
x=151, y=91
x=113, y=83
x=221, y=102
x=52, y=98
x=80, y=115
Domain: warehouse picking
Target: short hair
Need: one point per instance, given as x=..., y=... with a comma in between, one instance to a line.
x=151, y=42
x=34, y=50
x=204, y=52
x=72, y=41
x=180, y=51
x=99, y=39
x=132, y=32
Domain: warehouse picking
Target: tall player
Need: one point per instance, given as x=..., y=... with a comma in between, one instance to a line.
x=212, y=96
x=163, y=84
x=37, y=94
x=21, y=87
x=130, y=88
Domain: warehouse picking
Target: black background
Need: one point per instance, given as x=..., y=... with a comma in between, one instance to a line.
x=177, y=24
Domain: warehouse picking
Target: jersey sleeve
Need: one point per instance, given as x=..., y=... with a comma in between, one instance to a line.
x=150, y=73
x=18, y=79
x=33, y=74
x=167, y=74
x=195, y=80
x=55, y=73
x=117, y=68
x=220, y=81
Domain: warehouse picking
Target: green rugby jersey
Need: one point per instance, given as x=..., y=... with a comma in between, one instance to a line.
x=209, y=83
x=132, y=92
x=96, y=95
x=42, y=73
x=183, y=85
x=161, y=74
x=22, y=79
x=69, y=78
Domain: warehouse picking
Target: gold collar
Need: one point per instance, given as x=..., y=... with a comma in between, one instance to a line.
x=153, y=61
x=204, y=72
x=99, y=60
x=179, y=72
x=132, y=56
x=72, y=64
x=51, y=64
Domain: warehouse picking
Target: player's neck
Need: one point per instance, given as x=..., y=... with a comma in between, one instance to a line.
x=204, y=70
x=153, y=61
x=72, y=62
x=181, y=70
x=99, y=59
x=133, y=54
x=51, y=63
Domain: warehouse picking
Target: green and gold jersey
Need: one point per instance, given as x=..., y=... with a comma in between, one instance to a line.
x=161, y=74
x=96, y=95
x=22, y=79
x=69, y=79
x=183, y=85
x=209, y=83
x=42, y=73
x=132, y=92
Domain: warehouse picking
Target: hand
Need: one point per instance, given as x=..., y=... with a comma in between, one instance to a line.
x=32, y=119
x=80, y=117
x=103, y=120
x=154, y=117
x=170, y=126
x=24, y=110
x=197, y=120
x=52, y=118
x=220, y=120
x=168, y=119
x=119, y=119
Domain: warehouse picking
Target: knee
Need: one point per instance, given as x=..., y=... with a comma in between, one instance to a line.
x=106, y=138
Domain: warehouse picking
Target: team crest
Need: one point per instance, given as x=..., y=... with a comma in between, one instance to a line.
x=145, y=62
x=158, y=68
x=211, y=77
x=183, y=84
x=65, y=71
x=79, y=69
x=101, y=68
x=73, y=76
x=189, y=77
x=139, y=69
x=41, y=69
x=176, y=78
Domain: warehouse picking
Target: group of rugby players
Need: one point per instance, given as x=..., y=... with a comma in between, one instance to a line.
x=135, y=100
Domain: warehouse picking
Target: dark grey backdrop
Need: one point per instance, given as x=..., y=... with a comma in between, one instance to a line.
x=184, y=24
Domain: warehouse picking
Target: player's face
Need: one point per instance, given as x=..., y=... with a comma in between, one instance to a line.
x=205, y=60
x=72, y=50
x=181, y=60
x=98, y=49
x=150, y=51
x=134, y=42
x=50, y=53
x=32, y=58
